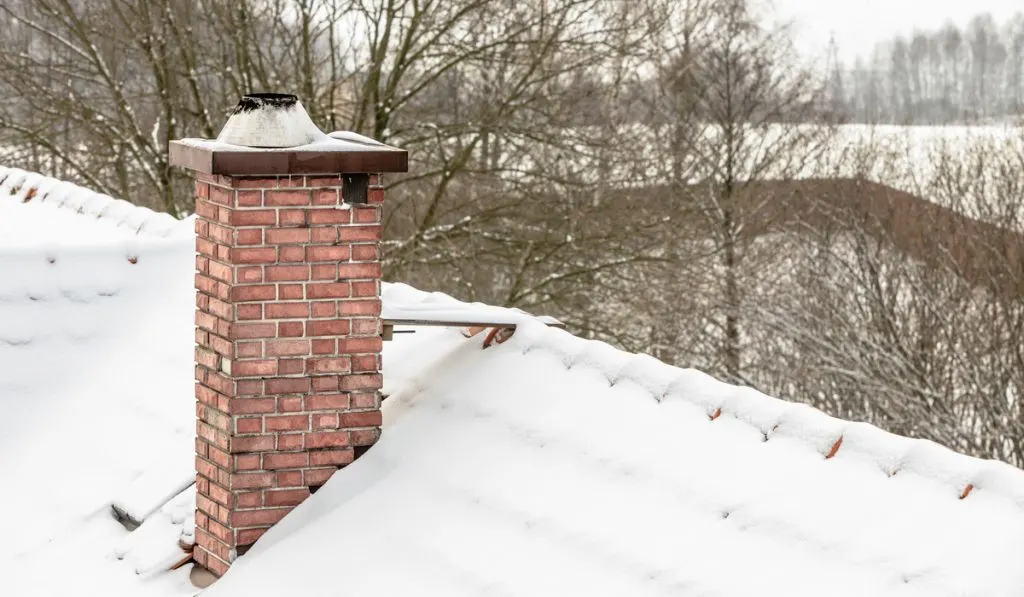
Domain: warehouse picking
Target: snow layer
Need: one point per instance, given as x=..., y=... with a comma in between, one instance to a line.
x=96, y=394
x=547, y=465
x=36, y=209
x=401, y=302
x=553, y=465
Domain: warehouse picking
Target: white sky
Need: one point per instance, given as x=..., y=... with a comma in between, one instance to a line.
x=858, y=24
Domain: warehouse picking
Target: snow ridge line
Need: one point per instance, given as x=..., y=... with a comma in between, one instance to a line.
x=25, y=186
x=961, y=476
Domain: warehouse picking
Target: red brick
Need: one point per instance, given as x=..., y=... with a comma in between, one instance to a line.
x=207, y=358
x=261, y=292
x=331, y=457
x=275, y=461
x=251, y=480
x=289, y=329
x=289, y=441
x=258, y=518
x=276, y=348
x=285, y=497
x=253, y=217
x=366, y=327
x=359, y=270
x=289, y=292
x=249, y=274
x=289, y=478
x=248, y=350
x=286, y=423
x=247, y=462
x=289, y=404
x=218, y=530
x=253, y=255
x=291, y=217
x=324, y=271
x=365, y=289
x=325, y=346
x=287, y=236
x=253, y=368
x=249, y=536
x=327, y=327
x=328, y=365
x=249, y=499
x=324, y=308
x=325, y=235
x=323, y=181
x=224, y=235
x=252, y=443
x=326, y=197
x=317, y=477
x=250, y=387
x=376, y=196
x=290, y=366
x=364, y=437
x=220, y=271
x=365, y=363
x=326, y=384
x=328, y=290
x=370, y=418
x=325, y=421
x=358, y=233
x=329, y=216
x=205, y=467
x=221, y=309
x=367, y=252
x=327, y=439
x=221, y=346
x=202, y=190
x=366, y=215
x=249, y=236
x=286, y=198
x=282, y=273
x=252, y=406
x=207, y=210
x=364, y=400
x=244, y=312
x=249, y=198
x=327, y=402
x=249, y=425
x=211, y=434
x=291, y=254
x=327, y=253
x=359, y=345
x=287, y=310
x=287, y=385
x=222, y=196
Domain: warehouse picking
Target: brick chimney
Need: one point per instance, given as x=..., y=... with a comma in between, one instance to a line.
x=288, y=331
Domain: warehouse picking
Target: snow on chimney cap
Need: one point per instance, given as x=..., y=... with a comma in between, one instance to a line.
x=270, y=120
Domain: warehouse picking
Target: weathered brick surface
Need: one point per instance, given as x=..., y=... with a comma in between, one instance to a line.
x=287, y=348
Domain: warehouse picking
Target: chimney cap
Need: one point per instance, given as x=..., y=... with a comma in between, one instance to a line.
x=269, y=120
x=271, y=134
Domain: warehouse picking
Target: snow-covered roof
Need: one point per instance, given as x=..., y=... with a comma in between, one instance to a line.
x=553, y=465
x=546, y=465
x=39, y=209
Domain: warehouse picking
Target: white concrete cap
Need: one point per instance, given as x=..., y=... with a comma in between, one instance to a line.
x=270, y=120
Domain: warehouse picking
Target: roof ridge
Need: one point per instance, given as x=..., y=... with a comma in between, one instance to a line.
x=774, y=417
x=32, y=187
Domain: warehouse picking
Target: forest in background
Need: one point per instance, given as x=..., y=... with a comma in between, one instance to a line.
x=954, y=75
x=612, y=163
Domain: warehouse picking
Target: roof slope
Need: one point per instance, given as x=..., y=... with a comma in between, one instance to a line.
x=96, y=313
x=545, y=465
x=553, y=465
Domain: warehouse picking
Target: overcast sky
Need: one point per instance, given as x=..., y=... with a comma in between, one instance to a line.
x=858, y=24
